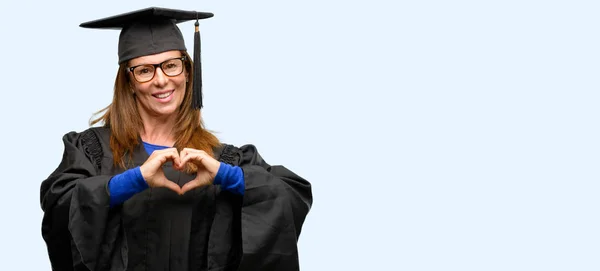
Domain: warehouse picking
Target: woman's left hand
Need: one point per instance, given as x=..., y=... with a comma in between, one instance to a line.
x=207, y=168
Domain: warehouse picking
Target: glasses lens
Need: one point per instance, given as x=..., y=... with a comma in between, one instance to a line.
x=172, y=67
x=143, y=73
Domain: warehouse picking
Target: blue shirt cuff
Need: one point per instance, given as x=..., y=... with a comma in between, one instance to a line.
x=230, y=178
x=123, y=186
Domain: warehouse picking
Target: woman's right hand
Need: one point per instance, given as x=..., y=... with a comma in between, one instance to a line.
x=152, y=169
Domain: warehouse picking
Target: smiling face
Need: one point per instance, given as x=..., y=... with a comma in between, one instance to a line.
x=162, y=96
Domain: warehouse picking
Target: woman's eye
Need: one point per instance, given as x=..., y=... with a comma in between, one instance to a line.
x=143, y=71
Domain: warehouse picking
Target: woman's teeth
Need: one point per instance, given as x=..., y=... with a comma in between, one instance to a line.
x=163, y=95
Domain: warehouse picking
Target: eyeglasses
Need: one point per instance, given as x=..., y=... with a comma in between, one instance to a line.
x=145, y=72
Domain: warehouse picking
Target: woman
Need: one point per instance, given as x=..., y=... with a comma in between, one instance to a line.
x=152, y=189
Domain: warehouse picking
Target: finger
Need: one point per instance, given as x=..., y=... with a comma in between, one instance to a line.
x=170, y=154
x=176, y=160
x=151, y=167
x=183, y=154
x=157, y=159
x=187, y=151
x=155, y=179
x=191, y=186
x=177, y=164
x=173, y=186
x=163, y=151
x=191, y=157
x=196, y=183
x=208, y=162
x=175, y=156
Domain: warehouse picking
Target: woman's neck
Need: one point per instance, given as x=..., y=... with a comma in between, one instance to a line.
x=158, y=131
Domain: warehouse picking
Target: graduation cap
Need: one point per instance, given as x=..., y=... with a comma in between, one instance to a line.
x=154, y=30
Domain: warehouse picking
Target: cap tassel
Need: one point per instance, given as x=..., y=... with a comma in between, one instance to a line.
x=197, y=87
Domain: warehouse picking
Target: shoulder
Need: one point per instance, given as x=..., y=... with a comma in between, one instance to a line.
x=238, y=148
x=97, y=135
x=102, y=133
x=93, y=141
x=227, y=153
x=247, y=148
x=239, y=155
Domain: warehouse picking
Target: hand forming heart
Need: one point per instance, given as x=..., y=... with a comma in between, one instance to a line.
x=155, y=177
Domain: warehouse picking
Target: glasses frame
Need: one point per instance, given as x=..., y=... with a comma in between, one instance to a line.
x=156, y=66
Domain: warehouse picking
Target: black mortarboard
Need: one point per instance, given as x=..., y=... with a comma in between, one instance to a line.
x=154, y=30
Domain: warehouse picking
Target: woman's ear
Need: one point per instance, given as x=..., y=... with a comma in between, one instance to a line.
x=131, y=87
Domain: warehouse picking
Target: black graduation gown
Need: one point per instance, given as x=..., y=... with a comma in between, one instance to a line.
x=156, y=229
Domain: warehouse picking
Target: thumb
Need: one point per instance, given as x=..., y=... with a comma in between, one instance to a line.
x=171, y=185
x=190, y=186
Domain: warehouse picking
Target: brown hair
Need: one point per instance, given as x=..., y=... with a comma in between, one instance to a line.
x=125, y=123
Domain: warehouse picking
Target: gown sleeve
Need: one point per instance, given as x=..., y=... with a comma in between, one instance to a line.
x=75, y=202
x=275, y=203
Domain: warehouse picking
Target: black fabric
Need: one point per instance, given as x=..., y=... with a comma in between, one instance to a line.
x=92, y=148
x=147, y=31
x=205, y=229
x=124, y=19
x=197, y=87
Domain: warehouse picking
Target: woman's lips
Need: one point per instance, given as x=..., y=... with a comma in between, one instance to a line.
x=164, y=96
